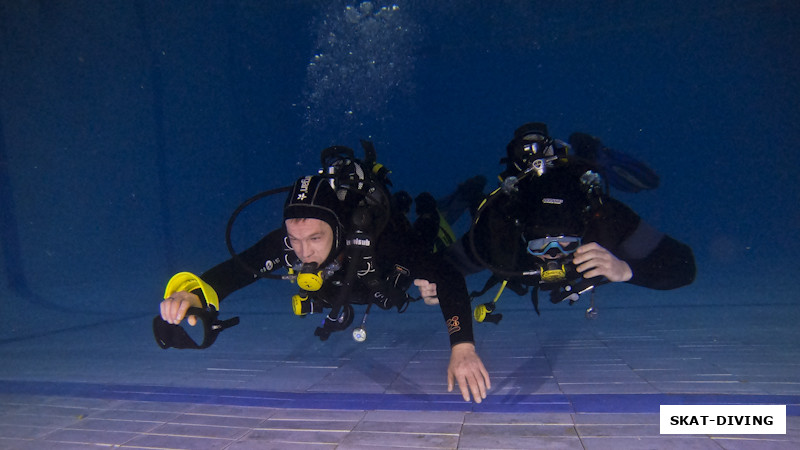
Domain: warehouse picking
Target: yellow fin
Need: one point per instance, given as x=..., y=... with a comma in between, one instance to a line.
x=187, y=281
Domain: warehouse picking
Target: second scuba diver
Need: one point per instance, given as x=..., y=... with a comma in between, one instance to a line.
x=552, y=226
x=345, y=240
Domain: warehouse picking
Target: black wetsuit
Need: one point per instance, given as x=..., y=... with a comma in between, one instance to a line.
x=397, y=246
x=658, y=261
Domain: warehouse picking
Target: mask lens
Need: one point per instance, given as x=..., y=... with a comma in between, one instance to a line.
x=554, y=246
x=531, y=149
x=537, y=145
x=569, y=246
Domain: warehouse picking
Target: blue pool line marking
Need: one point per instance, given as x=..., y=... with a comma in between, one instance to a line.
x=501, y=403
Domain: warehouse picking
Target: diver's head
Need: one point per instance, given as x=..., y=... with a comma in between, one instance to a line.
x=530, y=129
x=311, y=215
x=531, y=142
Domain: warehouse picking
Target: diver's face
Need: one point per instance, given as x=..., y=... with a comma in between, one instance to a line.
x=311, y=239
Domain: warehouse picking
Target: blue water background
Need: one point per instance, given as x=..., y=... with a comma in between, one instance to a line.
x=132, y=129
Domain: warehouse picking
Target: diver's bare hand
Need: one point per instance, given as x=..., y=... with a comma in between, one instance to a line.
x=174, y=307
x=467, y=369
x=428, y=291
x=592, y=260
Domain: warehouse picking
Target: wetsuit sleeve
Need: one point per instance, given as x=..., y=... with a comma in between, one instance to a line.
x=670, y=265
x=229, y=276
x=450, y=284
x=658, y=261
x=454, y=302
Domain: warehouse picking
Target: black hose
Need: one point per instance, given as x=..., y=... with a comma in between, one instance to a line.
x=506, y=274
x=231, y=221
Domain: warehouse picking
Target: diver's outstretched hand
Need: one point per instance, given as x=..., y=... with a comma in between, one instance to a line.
x=592, y=260
x=467, y=369
x=428, y=291
x=174, y=307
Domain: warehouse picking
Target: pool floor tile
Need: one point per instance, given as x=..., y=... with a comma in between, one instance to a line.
x=574, y=384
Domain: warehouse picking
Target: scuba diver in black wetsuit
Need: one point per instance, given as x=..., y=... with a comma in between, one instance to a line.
x=551, y=225
x=345, y=241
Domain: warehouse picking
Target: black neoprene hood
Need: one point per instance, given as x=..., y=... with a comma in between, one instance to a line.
x=312, y=197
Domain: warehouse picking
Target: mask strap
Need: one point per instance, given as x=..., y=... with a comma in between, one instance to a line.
x=170, y=335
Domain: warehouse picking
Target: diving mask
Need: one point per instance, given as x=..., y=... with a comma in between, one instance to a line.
x=536, y=146
x=554, y=246
x=556, y=251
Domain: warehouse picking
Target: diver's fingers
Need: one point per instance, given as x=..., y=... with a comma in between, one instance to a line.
x=164, y=309
x=601, y=262
x=430, y=301
x=176, y=309
x=461, y=380
x=426, y=288
x=596, y=258
x=477, y=387
x=588, y=256
x=432, y=292
x=427, y=291
x=469, y=383
x=486, y=379
x=465, y=388
x=588, y=252
x=476, y=378
x=595, y=267
x=172, y=307
x=593, y=273
x=184, y=306
x=588, y=247
x=585, y=266
x=173, y=311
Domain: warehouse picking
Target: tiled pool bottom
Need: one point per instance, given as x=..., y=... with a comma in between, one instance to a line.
x=559, y=381
x=58, y=422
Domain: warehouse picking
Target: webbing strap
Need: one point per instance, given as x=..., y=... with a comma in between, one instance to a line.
x=170, y=335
